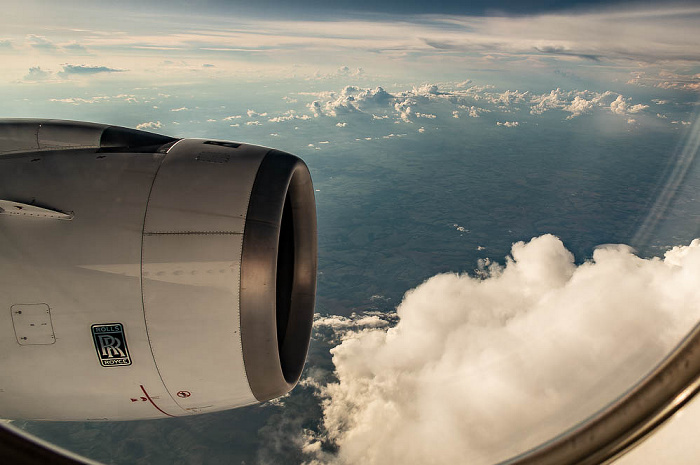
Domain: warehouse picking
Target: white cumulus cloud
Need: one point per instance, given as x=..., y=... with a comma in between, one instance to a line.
x=480, y=368
x=253, y=114
x=150, y=125
x=578, y=106
x=508, y=124
x=621, y=106
x=36, y=73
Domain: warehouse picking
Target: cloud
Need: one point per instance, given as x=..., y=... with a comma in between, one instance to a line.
x=407, y=105
x=578, y=106
x=40, y=42
x=426, y=90
x=404, y=110
x=5, y=43
x=180, y=109
x=79, y=100
x=580, y=102
x=474, y=112
x=430, y=100
x=87, y=70
x=637, y=108
x=620, y=106
x=315, y=108
x=545, y=102
x=341, y=72
x=253, y=113
x=37, y=74
x=509, y=97
x=479, y=368
x=129, y=98
x=150, y=125
x=288, y=116
x=351, y=99
x=346, y=71
x=355, y=321
x=508, y=124
x=667, y=80
x=76, y=49
x=558, y=50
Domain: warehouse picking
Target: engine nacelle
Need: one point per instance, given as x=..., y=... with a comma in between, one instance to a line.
x=143, y=276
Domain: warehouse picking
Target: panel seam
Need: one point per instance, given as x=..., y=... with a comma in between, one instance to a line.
x=143, y=300
x=193, y=233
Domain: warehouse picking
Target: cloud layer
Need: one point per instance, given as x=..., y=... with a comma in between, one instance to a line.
x=473, y=101
x=480, y=368
x=658, y=43
x=87, y=69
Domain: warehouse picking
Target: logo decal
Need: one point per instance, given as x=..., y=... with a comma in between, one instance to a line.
x=110, y=343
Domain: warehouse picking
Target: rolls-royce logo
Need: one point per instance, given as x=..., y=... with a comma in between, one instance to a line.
x=110, y=343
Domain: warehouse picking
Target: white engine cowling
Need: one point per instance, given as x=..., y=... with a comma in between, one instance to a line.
x=143, y=276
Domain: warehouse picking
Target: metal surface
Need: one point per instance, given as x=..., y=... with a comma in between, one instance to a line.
x=32, y=324
x=61, y=264
x=30, y=135
x=154, y=255
x=276, y=332
x=191, y=272
x=8, y=207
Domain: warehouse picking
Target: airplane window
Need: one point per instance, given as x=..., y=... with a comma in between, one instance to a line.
x=506, y=209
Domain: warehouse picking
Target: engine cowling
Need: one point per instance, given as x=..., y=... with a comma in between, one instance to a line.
x=144, y=276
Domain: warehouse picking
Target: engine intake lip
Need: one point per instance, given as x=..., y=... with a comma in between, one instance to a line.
x=278, y=275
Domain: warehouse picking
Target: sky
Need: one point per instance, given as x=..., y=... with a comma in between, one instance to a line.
x=318, y=8
x=468, y=159
x=78, y=44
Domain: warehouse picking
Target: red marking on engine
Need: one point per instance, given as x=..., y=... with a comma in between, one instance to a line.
x=153, y=403
x=184, y=394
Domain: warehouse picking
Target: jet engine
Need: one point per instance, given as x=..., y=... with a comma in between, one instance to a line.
x=143, y=276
